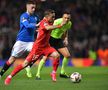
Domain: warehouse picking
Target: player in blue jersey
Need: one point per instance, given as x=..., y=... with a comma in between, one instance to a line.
x=25, y=37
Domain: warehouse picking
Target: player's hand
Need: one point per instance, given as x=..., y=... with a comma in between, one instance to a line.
x=37, y=25
x=63, y=23
x=36, y=30
x=65, y=41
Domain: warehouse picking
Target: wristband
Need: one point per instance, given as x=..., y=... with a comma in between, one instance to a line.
x=59, y=26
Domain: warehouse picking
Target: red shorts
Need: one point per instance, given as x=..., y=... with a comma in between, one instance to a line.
x=36, y=52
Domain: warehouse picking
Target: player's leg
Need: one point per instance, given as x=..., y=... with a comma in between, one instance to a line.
x=56, y=57
x=15, y=71
x=28, y=68
x=53, y=53
x=64, y=51
x=17, y=51
x=31, y=57
x=28, y=71
x=7, y=65
x=59, y=45
x=12, y=58
x=40, y=65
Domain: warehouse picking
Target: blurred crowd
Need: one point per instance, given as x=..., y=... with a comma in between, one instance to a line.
x=89, y=32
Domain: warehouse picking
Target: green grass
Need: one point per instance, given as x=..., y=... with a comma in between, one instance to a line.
x=93, y=78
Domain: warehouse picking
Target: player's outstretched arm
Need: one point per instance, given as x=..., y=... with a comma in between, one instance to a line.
x=51, y=27
x=37, y=25
x=25, y=22
x=29, y=25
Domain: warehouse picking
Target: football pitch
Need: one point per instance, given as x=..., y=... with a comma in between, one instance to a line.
x=93, y=78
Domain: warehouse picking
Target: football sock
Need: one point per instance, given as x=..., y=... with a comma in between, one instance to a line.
x=41, y=63
x=64, y=64
x=16, y=70
x=28, y=70
x=5, y=68
x=55, y=64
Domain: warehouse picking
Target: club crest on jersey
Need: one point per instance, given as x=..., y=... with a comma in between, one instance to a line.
x=45, y=24
x=35, y=18
x=24, y=19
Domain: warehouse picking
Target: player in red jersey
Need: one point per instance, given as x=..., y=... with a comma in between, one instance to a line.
x=41, y=46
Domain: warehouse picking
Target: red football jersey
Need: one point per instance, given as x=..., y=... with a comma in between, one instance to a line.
x=41, y=46
x=43, y=35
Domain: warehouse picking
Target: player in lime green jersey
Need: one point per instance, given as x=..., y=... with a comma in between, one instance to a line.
x=57, y=38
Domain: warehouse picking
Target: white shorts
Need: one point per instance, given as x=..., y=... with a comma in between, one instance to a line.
x=20, y=48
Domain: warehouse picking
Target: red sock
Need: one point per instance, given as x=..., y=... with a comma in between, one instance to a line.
x=16, y=70
x=55, y=64
x=8, y=63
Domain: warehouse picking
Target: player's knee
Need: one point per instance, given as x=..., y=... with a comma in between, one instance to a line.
x=57, y=55
x=67, y=55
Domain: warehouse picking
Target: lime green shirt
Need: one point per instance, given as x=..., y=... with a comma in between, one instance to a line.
x=57, y=33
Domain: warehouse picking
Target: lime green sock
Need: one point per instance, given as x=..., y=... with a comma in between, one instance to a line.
x=28, y=70
x=41, y=63
x=64, y=64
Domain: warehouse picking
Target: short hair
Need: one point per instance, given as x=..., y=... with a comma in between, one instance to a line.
x=31, y=2
x=48, y=12
x=66, y=12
